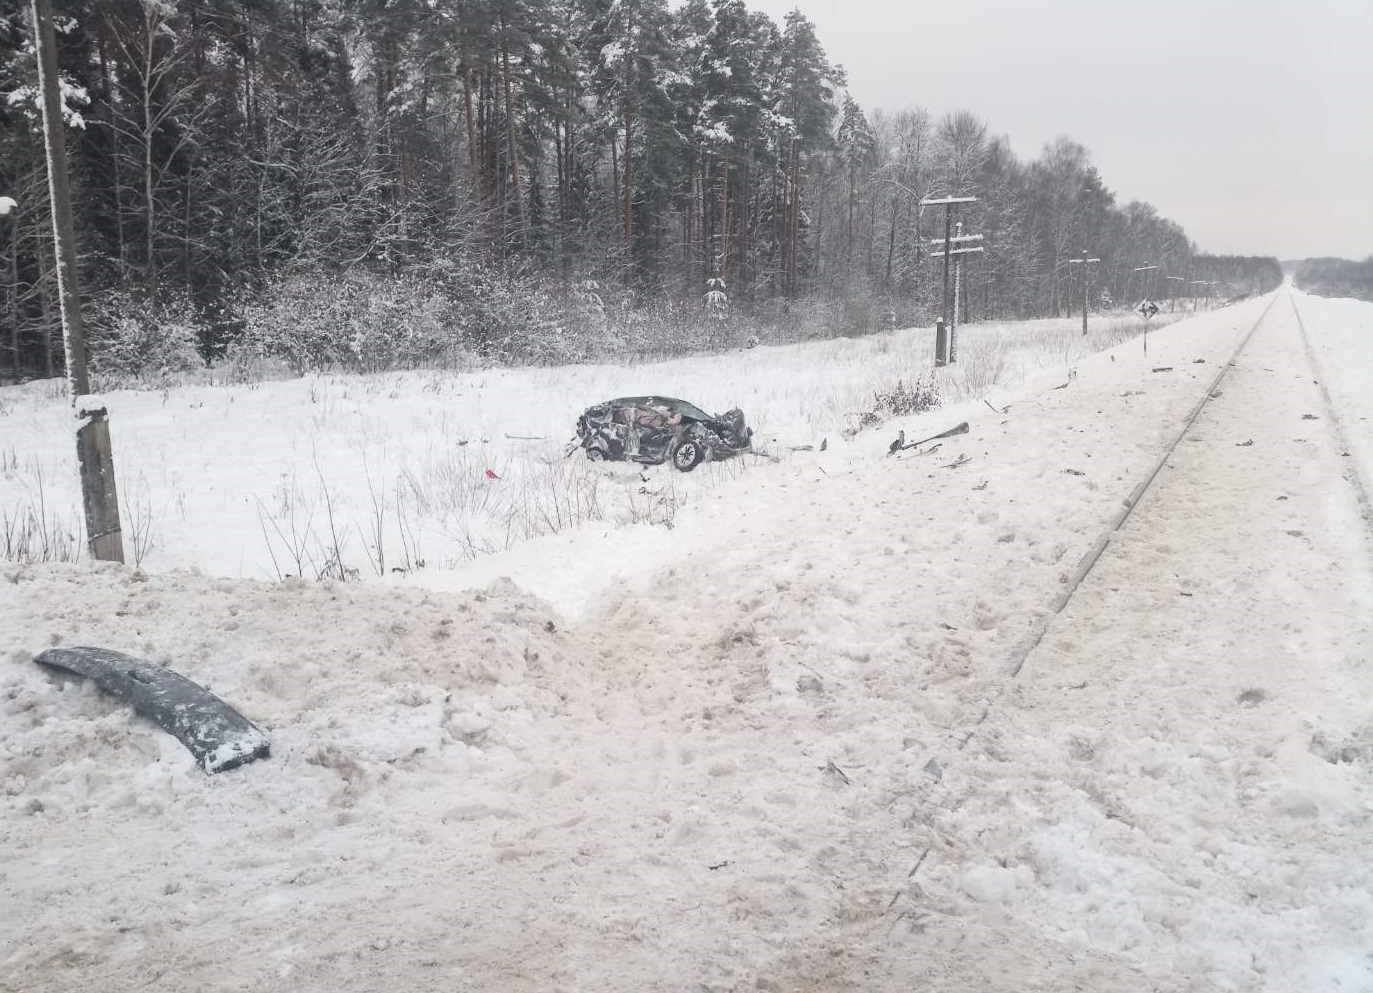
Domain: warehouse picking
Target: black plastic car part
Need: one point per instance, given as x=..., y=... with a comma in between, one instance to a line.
x=218, y=736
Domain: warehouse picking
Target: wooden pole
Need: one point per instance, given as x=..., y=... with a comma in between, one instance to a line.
x=957, y=297
x=948, y=239
x=1086, y=267
x=947, y=327
x=95, y=461
x=93, y=449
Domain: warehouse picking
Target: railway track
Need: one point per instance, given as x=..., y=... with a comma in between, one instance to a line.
x=947, y=751
x=1352, y=474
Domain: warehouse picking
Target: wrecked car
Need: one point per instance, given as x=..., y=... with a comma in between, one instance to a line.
x=654, y=430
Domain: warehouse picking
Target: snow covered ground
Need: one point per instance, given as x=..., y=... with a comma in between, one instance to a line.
x=786, y=743
x=372, y=476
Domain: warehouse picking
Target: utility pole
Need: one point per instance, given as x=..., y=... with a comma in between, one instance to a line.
x=1144, y=268
x=94, y=456
x=949, y=353
x=1086, y=268
x=1172, y=295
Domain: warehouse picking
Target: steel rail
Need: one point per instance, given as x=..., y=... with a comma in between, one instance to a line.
x=1032, y=640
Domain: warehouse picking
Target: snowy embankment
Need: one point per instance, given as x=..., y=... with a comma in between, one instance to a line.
x=740, y=770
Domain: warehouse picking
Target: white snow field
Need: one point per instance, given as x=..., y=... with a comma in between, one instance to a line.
x=830, y=731
x=372, y=475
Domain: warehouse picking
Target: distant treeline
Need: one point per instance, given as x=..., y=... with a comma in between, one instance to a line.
x=1336, y=278
x=522, y=180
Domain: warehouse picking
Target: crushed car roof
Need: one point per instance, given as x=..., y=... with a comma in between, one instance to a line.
x=670, y=404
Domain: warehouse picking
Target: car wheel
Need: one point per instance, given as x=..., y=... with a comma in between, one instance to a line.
x=687, y=455
x=595, y=455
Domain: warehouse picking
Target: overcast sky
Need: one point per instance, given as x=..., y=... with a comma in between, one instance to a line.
x=1249, y=122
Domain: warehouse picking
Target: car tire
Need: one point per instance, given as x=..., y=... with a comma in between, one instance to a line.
x=595, y=455
x=687, y=454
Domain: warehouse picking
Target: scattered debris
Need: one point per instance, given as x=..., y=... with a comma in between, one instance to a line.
x=490, y=474
x=1198, y=362
x=1244, y=444
x=526, y=437
x=832, y=768
x=1185, y=593
x=1075, y=472
x=218, y=736
x=1309, y=417
x=824, y=444
x=1251, y=698
x=934, y=770
x=717, y=865
x=961, y=460
x=995, y=409
x=957, y=429
x=1296, y=534
x=1162, y=368
x=898, y=444
x=981, y=486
